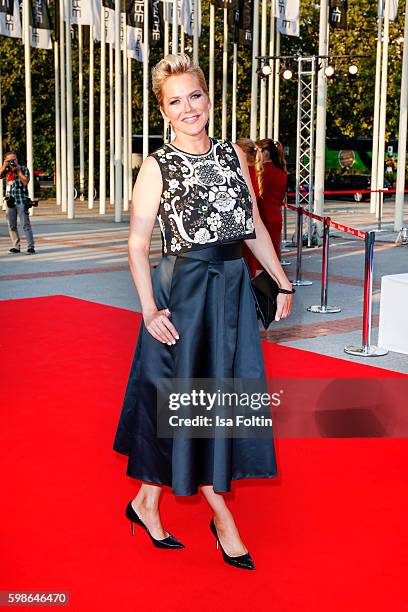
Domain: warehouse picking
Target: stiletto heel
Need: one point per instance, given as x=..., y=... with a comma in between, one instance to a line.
x=169, y=542
x=243, y=561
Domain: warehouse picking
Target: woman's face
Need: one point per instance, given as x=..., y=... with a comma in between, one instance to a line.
x=185, y=105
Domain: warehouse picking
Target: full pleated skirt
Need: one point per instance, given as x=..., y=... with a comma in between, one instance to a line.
x=213, y=310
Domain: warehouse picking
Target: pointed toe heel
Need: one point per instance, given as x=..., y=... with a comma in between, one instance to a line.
x=169, y=542
x=242, y=561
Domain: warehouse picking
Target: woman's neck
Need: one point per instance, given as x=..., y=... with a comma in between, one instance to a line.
x=195, y=145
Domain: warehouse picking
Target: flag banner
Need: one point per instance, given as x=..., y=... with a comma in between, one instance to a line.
x=108, y=19
x=134, y=27
x=40, y=25
x=7, y=6
x=10, y=23
x=287, y=10
x=241, y=18
x=338, y=14
x=231, y=5
x=87, y=12
x=288, y=28
x=187, y=15
x=393, y=9
x=156, y=23
x=170, y=7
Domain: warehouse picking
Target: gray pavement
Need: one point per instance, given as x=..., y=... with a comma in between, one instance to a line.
x=86, y=257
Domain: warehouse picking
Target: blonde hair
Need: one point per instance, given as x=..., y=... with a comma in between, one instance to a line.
x=174, y=64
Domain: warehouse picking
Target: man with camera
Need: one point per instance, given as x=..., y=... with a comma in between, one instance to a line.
x=18, y=201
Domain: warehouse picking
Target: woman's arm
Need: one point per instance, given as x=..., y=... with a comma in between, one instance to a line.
x=262, y=246
x=145, y=205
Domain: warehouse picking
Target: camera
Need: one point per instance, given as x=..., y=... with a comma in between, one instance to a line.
x=11, y=164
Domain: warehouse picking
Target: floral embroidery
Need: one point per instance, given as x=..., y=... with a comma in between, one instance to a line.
x=205, y=199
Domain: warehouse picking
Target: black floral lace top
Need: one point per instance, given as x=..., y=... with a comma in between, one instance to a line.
x=205, y=198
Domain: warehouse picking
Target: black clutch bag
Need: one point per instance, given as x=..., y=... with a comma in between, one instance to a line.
x=265, y=291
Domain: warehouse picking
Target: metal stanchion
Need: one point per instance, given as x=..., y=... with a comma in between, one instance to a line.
x=298, y=282
x=323, y=307
x=366, y=350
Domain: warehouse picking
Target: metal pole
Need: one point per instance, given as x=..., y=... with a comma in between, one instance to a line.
x=91, y=125
x=380, y=208
x=323, y=307
x=130, y=129
x=102, y=126
x=367, y=350
x=29, y=112
x=118, y=118
x=234, y=93
x=63, y=109
x=2, y=201
x=262, y=100
x=224, y=76
x=125, y=152
x=298, y=282
x=211, y=69
x=57, y=128
x=174, y=36
x=276, y=96
x=272, y=65
x=166, y=10
x=70, y=123
x=383, y=100
x=321, y=102
x=81, y=116
x=377, y=93
x=146, y=76
x=197, y=7
x=111, y=131
x=402, y=134
x=254, y=75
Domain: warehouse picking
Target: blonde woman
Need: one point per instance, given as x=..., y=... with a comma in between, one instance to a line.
x=199, y=318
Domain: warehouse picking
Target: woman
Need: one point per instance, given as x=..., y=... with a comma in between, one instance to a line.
x=199, y=318
x=272, y=179
x=251, y=151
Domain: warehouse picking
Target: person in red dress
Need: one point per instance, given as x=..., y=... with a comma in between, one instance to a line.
x=272, y=188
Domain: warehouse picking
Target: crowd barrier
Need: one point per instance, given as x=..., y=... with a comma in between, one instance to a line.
x=366, y=349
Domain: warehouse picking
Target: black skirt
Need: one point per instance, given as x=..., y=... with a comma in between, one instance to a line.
x=209, y=296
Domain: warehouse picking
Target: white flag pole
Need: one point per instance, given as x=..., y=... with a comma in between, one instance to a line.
x=146, y=76
x=224, y=76
x=211, y=69
x=130, y=129
x=91, y=133
x=272, y=65
x=70, y=126
x=125, y=117
x=195, y=31
x=111, y=131
x=254, y=76
x=321, y=102
x=2, y=201
x=102, y=126
x=81, y=114
x=402, y=134
x=262, y=102
x=276, y=95
x=182, y=38
x=118, y=117
x=57, y=127
x=234, y=92
x=166, y=9
x=383, y=105
x=63, y=107
x=29, y=112
x=174, y=37
x=377, y=94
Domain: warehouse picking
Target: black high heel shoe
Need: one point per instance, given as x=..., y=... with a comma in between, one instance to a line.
x=169, y=542
x=244, y=561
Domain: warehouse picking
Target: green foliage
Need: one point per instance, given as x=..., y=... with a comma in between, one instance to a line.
x=350, y=99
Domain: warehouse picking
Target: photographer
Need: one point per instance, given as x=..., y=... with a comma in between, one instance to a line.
x=18, y=201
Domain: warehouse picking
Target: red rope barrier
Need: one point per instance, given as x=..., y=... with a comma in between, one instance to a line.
x=339, y=226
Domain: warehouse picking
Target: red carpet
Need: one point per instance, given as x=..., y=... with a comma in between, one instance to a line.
x=331, y=533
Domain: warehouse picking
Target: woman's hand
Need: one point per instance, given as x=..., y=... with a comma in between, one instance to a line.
x=283, y=306
x=160, y=327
